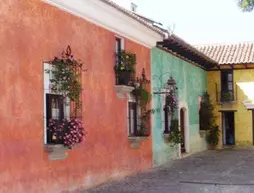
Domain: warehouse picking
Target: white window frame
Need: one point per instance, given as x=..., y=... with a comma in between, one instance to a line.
x=132, y=98
x=46, y=90
x=199, y=102
x=122, y=42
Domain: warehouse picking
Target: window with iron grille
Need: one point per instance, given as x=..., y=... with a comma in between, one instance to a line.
x=56, y=106
x=54, y=110
x=227, y=85
x=167, y=119
x=119, y=46
x=133, y=116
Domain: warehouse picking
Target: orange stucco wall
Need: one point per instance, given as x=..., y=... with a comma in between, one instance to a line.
x=32, y=32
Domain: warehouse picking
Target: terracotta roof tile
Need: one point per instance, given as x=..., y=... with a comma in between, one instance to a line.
x=229, y=53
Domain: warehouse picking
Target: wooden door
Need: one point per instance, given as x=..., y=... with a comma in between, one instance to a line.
x=182, y=124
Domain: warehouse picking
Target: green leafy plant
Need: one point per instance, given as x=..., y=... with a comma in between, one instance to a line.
x=213, y=136
x=246, y=5
x=66, y=73
x=143, y=97
x=206, y=113
x=207, y=121
x=226, y=96
x=175, y=136
x=125, y=61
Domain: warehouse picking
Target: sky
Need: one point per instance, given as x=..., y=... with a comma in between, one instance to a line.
x=199, y=21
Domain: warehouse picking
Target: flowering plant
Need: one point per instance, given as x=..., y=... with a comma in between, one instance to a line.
x=66, y=76
x=125, y=61
x=171, y=101
x=68, y=133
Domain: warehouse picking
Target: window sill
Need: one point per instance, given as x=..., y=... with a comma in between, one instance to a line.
x=202, y=133
x=122, y=90
x=166, y=137
x=227, y=104
x=56, y=151
x=135, y=141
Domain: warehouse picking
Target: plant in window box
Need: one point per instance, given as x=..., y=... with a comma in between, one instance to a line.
x=69, y=133
x=125, y=68
x=226, y=96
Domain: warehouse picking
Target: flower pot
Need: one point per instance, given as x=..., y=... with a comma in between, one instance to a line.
x=123, y=78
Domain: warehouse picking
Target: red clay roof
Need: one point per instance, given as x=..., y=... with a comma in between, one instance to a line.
x=241, y=53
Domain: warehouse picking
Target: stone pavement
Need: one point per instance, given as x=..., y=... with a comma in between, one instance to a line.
x=221, y=171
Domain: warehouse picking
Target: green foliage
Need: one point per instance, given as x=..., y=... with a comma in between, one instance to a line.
x=213, y=136
x=246, y=5
x=143, y=97
x=65, y=78
x=206, y=114
x=207, y=120
x=175, y=136
x=125, y=61
x=226, y=96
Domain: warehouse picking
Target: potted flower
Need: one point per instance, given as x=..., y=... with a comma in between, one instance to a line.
x=65, y=81
x=66, y=132
x=124, y=68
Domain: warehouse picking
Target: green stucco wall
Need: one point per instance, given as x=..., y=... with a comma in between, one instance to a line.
x=191, y=83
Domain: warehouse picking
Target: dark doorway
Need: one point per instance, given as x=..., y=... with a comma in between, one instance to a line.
x=228, y=123
x=182, y=124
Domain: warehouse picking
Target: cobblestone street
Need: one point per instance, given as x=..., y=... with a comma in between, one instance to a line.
x=227, y=171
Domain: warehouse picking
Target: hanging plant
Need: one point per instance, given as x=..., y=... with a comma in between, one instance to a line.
x=213, y=135
x=66, y=74
x=143, y=97
x=175, y=136
x=65, y=80
x=125, y=68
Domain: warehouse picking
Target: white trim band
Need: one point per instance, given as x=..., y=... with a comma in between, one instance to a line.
x=108, y=17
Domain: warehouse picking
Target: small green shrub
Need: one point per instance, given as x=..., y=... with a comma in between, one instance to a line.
x=213, y=136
